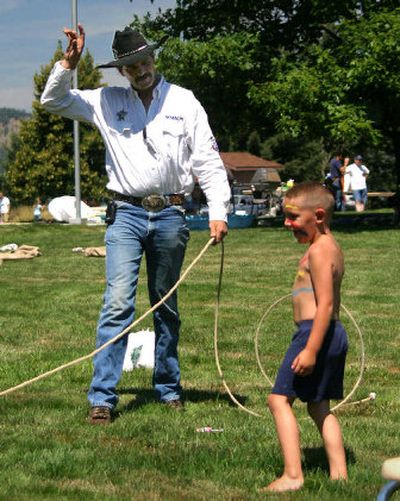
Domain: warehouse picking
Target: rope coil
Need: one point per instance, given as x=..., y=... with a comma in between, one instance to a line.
x=343, y=402
x=362, y=354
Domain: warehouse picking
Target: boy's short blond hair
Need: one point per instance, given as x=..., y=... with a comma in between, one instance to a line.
x=312, y=195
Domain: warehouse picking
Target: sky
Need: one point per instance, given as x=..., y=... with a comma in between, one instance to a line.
x=30, y=30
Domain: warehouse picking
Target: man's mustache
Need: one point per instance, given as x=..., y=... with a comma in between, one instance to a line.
x=143, y=77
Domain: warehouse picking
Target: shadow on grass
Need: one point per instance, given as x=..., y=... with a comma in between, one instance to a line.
x=314, y=459
x=353, y=223
x=145, y=396
x=349, y=222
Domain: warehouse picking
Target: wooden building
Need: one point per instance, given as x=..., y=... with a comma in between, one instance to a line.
x=245, y=168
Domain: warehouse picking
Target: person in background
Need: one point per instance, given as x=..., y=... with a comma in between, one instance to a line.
x=336, y=172
x=357, y=174
x=313, y=367
x=4, y=208
x=37, y=210
x=158, y=141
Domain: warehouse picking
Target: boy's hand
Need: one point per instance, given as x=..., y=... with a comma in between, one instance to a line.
x=304, y=363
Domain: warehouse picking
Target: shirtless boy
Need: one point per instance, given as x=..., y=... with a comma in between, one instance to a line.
x=313, y=367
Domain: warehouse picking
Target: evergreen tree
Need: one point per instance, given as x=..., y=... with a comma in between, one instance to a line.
x=41, y=160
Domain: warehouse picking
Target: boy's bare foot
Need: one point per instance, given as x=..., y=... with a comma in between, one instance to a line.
x=341, y=477
x=283, y=484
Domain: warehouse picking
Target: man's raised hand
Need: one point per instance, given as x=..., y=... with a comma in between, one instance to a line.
x=76, y=43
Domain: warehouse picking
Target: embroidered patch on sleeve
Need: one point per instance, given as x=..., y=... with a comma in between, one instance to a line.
x=214, y=144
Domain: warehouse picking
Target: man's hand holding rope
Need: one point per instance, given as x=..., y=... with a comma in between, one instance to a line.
x=218, y=230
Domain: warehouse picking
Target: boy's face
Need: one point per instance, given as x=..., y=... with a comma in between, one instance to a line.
x=302, y=221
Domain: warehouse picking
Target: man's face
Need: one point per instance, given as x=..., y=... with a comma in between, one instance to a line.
x=300, y=220
x=142, y=74
x=358, y=162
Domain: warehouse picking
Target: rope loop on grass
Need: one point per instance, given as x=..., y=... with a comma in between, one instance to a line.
x=344, y=402
x=118, y=336
x=362, y=355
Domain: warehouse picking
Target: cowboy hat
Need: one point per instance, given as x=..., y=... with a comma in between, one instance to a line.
x=128, y=47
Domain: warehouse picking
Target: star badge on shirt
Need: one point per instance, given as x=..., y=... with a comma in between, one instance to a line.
x=121, y=115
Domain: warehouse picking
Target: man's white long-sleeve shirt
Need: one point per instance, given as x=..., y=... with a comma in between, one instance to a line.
x=161, y=151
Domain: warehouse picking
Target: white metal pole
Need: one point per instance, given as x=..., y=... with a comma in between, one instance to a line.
x=77, y=219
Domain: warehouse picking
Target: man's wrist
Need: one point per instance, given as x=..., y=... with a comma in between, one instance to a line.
x=67, y=65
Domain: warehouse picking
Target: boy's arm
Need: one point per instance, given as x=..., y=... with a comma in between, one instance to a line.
x=321, y=272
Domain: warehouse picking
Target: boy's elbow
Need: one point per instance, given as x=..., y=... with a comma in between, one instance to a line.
x=326, y=307
x=329, y=309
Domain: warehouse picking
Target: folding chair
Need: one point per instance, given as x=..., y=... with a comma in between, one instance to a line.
x=390, y=472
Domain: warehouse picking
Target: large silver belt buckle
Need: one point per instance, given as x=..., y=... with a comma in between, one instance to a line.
x=154, y=202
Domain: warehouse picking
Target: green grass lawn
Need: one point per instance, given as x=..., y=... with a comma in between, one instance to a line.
x=48, y=313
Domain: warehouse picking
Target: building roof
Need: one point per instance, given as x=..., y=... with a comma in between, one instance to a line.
x=243, y=161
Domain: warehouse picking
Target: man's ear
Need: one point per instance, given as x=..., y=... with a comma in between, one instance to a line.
x=320, y=214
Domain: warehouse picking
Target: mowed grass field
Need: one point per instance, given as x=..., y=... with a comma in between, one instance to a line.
x=49, y=308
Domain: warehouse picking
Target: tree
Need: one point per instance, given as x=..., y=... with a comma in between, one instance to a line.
x=218, y=72
x=288, y=24
x=289, y=34
x=302, y=160
x=253, y=144
x=343, y=89
x=40, y=162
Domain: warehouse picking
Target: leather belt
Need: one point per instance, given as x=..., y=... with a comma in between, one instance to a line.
x=153, y=202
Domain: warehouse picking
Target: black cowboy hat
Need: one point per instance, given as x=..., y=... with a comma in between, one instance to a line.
x=128, y=47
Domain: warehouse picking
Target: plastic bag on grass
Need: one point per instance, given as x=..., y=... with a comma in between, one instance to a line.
x=140, y=350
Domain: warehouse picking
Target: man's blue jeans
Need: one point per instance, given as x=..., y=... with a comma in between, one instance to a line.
x=338, y=197
x=162, y=237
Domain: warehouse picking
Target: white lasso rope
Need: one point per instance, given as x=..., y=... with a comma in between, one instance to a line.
x=162, y=300
x=233, y=398
x=118, y=336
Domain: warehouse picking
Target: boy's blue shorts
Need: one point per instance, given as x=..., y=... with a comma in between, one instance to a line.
x=326, y=380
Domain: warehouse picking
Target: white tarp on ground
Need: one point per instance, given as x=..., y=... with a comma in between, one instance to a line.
x=140, y=350
x=63, y=209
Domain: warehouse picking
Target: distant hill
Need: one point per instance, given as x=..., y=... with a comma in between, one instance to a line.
x=10, y=123
x=8, y=113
